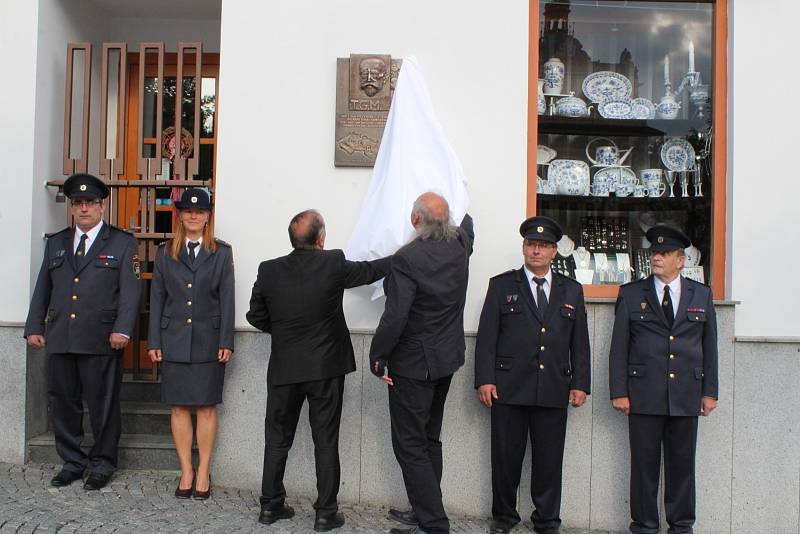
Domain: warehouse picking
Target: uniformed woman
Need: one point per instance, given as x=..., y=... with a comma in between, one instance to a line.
x=191, y=332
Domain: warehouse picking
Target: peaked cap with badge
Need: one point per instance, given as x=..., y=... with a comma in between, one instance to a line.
x=665, y=238
x=85, y=186
x=194, y=198
x=541, y=228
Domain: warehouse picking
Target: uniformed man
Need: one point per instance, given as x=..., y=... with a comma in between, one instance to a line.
x=531, y=361
x=663, y=374
x=83, y=312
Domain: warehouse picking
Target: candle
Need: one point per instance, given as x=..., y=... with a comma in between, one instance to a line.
x=691, y=56
x=666, y=69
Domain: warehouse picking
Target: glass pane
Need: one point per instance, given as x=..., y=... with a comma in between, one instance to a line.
x=112, y=99
x=76, y=119
x=625, y=131
x=208, y=106
x=206, y=166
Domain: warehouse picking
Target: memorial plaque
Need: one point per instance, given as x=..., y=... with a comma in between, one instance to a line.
x=364, y=87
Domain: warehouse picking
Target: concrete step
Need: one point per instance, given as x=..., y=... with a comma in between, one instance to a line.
x=138, y=418
x=140, y=390
x=136, y=451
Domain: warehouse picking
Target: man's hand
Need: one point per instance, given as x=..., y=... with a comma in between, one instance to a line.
x=622, y=404
x=487, y=394
x=117, y=341
x=223, y=355
x=378, y=368
x=155, y=355
x=708, y=404
x=576, y=398
x=37, y=342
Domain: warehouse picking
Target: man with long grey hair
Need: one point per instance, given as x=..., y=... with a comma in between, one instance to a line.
x=420, y=339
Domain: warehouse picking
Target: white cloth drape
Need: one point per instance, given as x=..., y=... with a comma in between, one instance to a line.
x=414, y=157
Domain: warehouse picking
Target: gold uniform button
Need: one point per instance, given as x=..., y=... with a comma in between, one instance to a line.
x=188, y=302
x=672, y=375
x=76, y=279
x=541, y=366
x=189, y=285
x=541, y=348
x=672, y=338
x=544, y=330
x=72, y=315
x=189, y=320
x=74, y=297
x=671, y=356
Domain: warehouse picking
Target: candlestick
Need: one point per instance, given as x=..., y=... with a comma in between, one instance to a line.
x=691, y=56
x=666, y=69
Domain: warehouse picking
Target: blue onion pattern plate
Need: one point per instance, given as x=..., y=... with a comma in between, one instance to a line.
x=677, y=154
x=605, y=84
x=616, y=108
x=643, y=108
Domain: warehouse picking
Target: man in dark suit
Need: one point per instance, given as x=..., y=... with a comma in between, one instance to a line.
x=421, y=339
x=83, y=311
x=663, y=374
x=531, y=360
x=298, y=299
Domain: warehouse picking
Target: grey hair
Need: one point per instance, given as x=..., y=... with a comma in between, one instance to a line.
x=430, y=227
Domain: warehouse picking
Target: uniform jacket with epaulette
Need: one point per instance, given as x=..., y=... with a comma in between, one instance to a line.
x=533, y=360
x=663, y=370
x=78, y=303
x=192, y=304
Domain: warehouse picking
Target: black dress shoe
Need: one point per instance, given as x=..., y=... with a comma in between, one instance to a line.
x=201, y=495
x=267, y=517
x=96, y=481
x=325, y=523
x=407, y=517
x=498, y=527
x=547, y=530
x=185, y=493
x=65, y=478
x=412, y=530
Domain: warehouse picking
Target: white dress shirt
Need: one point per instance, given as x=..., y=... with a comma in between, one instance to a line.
x=548, y=281
x=674, y=292
x=91, y=235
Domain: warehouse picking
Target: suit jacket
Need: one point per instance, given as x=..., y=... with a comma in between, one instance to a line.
x=533, y=360
x=192, y=304
x=664, y=371
x=77, y=303
x=298, y=299
x=421, y=332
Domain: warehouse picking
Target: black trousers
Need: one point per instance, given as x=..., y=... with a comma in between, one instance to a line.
x=416, y=408
x=98, y=378
x=547, y=428
x=679, y=438
x=325, y=414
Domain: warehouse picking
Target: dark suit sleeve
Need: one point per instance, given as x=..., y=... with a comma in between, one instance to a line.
x=258, y=315
x=486, y=344
x=34, y=325
x=158, y=295
x=469, y=232
x=579, y=349
x=130, y=292
x=359, y=273
x=400, y=290
x=710, y=352
x=227, y=301
x=618, y=356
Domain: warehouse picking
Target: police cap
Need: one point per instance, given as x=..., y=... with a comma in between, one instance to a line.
x=194, y=198
x=541, y=228
x=664, y=238
x=85, y=186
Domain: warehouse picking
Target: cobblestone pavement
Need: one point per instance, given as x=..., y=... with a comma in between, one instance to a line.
x=142, y=501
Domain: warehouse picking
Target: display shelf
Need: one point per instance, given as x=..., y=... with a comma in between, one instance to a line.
x=618, y=127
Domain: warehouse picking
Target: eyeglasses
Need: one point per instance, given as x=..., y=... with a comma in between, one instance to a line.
x=83, y=203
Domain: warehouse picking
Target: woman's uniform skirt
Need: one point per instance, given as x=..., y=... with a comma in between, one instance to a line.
x=192, y=384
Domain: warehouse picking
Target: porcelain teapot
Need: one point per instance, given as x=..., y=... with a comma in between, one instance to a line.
x=668, y=107
x=607, y=155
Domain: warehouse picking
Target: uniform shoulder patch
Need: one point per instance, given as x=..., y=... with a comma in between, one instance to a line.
x=221, y=242
x=61, y=232
x=506, y=273
x=122, y=230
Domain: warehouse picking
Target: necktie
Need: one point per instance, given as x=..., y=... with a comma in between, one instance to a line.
x=81, y=251
x=666, y=305
x=192, y=254
x=541, y=298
